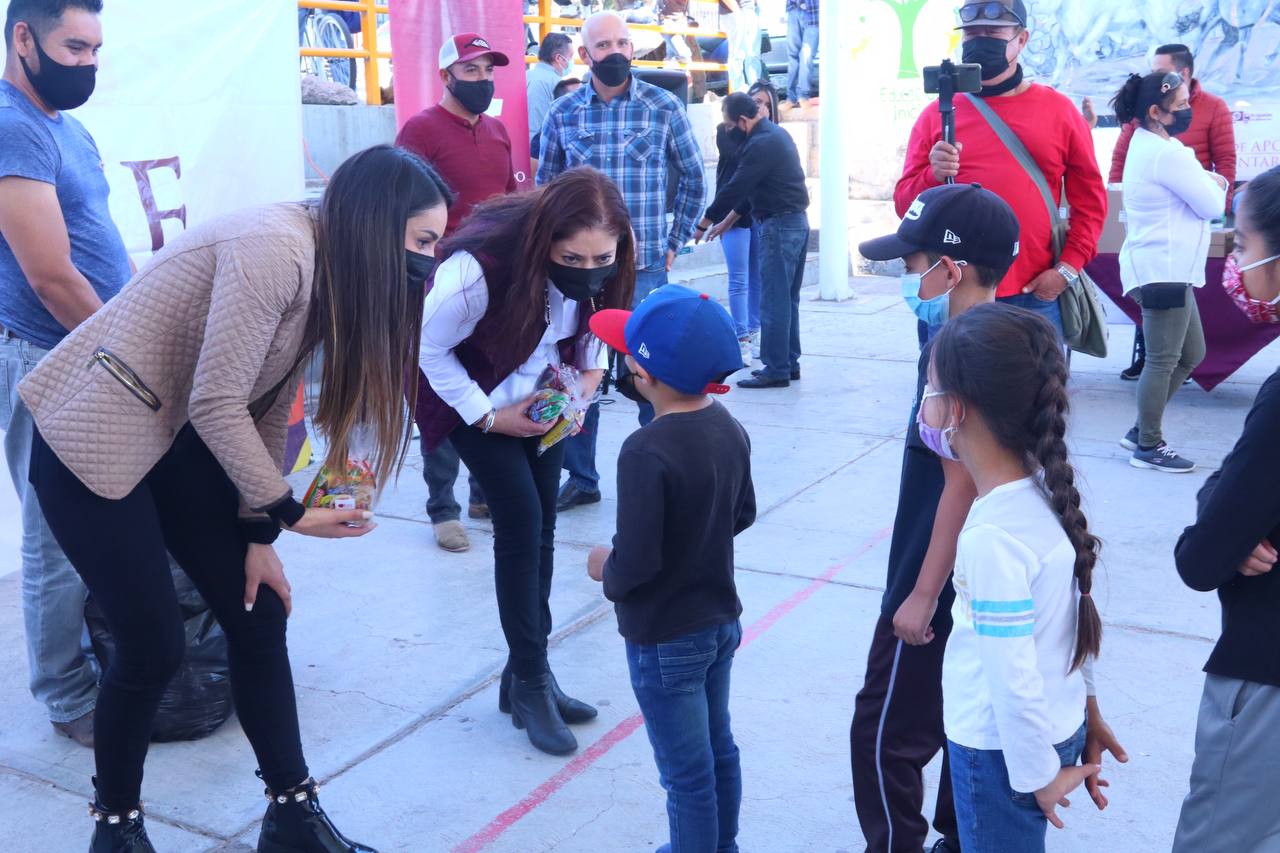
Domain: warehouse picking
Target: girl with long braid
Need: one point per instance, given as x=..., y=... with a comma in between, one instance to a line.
x=1016, y=676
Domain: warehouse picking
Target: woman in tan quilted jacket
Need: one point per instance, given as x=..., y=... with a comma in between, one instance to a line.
x=161, y=426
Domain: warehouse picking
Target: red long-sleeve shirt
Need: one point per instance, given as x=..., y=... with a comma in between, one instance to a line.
x=1055, y=133
x=1212, y=136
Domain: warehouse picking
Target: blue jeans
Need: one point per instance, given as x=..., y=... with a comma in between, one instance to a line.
x=784, y=241
x=580, y=450
x=802, y=50
x=742, y=254
x=1048, y=310
x=743, y=28
x=440, y=471
x=994, y=818
x=683, y=690
x=62, y=676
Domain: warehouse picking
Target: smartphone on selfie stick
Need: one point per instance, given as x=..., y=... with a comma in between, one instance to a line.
x=945, y=81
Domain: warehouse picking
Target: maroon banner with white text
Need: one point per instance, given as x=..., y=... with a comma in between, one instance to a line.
x=419, y=27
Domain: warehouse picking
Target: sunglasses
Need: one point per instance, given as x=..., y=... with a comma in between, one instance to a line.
x=987, y=12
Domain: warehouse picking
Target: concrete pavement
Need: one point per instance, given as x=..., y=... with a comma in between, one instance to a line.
x=396, y=645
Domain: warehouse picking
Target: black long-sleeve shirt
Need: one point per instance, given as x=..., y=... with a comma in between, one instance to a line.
x=684, y=493
x=769, y=175
x=727, y=163
x=1238, y=508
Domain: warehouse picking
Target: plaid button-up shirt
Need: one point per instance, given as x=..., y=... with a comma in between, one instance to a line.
x=808, y=8
x=632, y=139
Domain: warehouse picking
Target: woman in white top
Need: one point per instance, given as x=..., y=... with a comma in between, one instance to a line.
x=1014, y=682
x=522, y=277
x=1169, y=200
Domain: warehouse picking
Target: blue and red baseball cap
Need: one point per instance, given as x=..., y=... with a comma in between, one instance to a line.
x=683, y=338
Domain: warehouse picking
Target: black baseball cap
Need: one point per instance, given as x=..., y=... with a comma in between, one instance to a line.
x=993, y=13
x=962, y=221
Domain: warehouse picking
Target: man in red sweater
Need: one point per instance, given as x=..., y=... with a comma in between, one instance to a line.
x=1212, y=134
x=1053, y=131
x=472, y=152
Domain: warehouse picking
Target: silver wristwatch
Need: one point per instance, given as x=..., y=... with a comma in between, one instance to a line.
x=1065, y=272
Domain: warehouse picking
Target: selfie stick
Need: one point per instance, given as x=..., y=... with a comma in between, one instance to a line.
x=946, y=104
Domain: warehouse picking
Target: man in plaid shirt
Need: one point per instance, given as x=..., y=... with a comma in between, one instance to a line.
x=802, y=49
x=632, y=131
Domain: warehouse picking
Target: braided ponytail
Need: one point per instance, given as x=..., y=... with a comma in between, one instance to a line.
x=1048, y=427
x=1008, y=363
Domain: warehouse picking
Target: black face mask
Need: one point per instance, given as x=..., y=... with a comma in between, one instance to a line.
x=474, y=95
x=1181, y=122
x=625, y=381
x=62, y=87
x=989, y=52
x=580, y=284
x=613, y=70
x=418, y=268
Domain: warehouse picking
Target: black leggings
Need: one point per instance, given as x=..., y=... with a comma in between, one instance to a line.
x=187, y=506
x=521, y=488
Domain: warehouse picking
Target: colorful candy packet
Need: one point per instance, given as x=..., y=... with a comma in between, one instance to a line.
x=355, y=487
x=558, y=399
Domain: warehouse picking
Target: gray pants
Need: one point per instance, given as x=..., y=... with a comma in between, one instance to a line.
x=1175, y=347
x=440, y=470
x=62, y=677
x=1231, y=807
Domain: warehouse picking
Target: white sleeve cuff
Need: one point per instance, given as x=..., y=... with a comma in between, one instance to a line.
x=474, y=406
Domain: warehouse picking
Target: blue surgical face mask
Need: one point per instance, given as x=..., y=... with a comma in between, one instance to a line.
x=933, y=312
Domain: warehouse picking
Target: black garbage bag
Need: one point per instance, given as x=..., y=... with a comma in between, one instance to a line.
x=198, y=700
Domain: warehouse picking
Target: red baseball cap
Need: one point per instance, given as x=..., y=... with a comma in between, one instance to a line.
x=465, y=47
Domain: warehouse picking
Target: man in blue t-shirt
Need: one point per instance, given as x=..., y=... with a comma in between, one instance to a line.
x=61, y=257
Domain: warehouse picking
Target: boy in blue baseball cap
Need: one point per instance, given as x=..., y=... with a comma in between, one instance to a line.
x=684, y=493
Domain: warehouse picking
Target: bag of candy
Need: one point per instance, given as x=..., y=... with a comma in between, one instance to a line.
x=558, y=399
x=356, y=487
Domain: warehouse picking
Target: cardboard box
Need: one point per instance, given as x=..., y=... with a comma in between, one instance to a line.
x=1222, y=239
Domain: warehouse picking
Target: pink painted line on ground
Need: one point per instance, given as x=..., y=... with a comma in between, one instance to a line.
x=581, y=763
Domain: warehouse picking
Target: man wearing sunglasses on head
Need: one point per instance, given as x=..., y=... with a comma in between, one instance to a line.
x=1053, y=132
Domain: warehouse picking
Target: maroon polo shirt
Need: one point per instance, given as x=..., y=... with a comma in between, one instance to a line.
x=474, y=160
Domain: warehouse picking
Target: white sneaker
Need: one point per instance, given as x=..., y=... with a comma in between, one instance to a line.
x=755, y=344
x=744, y=346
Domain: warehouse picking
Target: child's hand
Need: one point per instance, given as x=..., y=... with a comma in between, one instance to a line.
x=595, y=562
x=911, y=622
x=1098, y=739
x=1055, y=793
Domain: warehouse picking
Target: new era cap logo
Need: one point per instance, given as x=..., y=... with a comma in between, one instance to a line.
x=913, y=212
x=644, y=350
x=478, y=42
x=951, y=238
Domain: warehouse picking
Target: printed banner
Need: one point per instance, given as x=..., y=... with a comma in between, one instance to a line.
x=420, y=27
x=1080, y=47
x=197, y=112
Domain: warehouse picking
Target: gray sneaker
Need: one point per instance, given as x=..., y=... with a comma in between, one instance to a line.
x=1130, y=440
x=1161, y=458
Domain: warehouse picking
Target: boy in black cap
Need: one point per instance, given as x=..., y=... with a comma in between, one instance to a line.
x=684, y=493
x=958, y=242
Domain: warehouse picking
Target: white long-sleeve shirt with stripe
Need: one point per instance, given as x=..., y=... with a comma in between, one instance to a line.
x=1005, y=676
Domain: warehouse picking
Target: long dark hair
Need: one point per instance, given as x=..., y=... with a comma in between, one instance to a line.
x=1139, y=94
x=772, y=91
x=515, y=232
x=1008, y=364
x=365, y=315
x=1262, y=201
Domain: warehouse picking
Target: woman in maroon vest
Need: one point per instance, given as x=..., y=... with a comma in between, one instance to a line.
x=522, y=277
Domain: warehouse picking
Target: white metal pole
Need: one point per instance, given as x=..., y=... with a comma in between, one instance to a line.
x=835, y=72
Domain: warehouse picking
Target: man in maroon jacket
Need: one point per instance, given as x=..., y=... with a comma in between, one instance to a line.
x=1211, y=135
x=472, y=152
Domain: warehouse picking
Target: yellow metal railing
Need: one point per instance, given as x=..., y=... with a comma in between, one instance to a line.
x=368, y=53
x=544, y=21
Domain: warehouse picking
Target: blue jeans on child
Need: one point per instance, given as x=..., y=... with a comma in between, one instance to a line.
x=993, y=818
x=742, y=255
x=580, y=451
x=683, y=690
